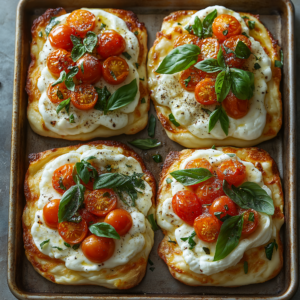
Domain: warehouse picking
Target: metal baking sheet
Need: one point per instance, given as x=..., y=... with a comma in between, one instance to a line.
x=26, y=283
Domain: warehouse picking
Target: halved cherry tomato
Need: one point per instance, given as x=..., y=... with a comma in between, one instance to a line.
x=82, y=21
x=209, y=48
x=225, y=26
x=101, y=202
x=233, y=171
x=209, y=190
x=115, y=70
x=234, y=107
x=110, y=43
x=84, y=96
x=92, y=69
x=205, y=92
x=187, y=39
x=50, y=213
x=59, y=60
x=71, y=232
x=58, y=93
x=120, y=219
x=62, y=177
x=186, y=206
x=88, y=217
x=230, y=58
x=60, y=37
x=190, y=78
x=223, y=205
x=249, y=226
x=98, y=249
x=207, y=228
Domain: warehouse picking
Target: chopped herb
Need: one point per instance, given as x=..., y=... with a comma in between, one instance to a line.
x=128, y=166
x=61, y=184
x=152, y=269
x=108, y=168
x=173, y=120
x=245, y=17
x=245, y=34
x=209, y=112
x=64, y=104
x=190, y=240
x=53, y=22
x=189, y=28
x=251, y=217
x=59, y=94
x=150, y=262
x=187, y=80
x=245, y=267
x=152, y=222
x=213, y=147
x=278, y=64
x=142, y=79
x=57, y=248
x=136, y=32
x=231, y=154
x=106, y=194
x=44, y=243
x=40, y=34
x=206, y=250
x=269, y=249
x=143, y=100
x=225, y=32
x=169, y=180
x=157, y=158
x=179, y=24
x=113, y=75
x=102, y=26
x=251, y=24
x=126, y=55
x=145, y=144
x=151, y=126
x=82, y=68
x=75, y=247
x=257, y=66
x=173, y=242
x=71, y=119
x=137, y=65
x=67, y=245
x=226, y=207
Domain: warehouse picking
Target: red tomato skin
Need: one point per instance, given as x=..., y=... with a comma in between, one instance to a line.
x=60, y=37
x=248, y=226
x=120, y=219
x=92, y=69
x=234, y=107
x=88, y=217
x=118, y=66
x=64, y=232
x=50, y=213
x=209, y=48
x=219, y=205
x=205, y=92
x=64, y=172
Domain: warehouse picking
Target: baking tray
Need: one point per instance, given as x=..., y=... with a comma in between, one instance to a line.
x=25, y=283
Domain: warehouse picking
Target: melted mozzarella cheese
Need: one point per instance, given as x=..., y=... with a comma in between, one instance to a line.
x=128, y=246
x=198, y=261
x=87, y=121
x=187, y=111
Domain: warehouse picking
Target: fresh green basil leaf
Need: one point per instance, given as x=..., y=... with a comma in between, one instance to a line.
x=257, y=66
x=179, y=59
x=179, y=24
x=173, y=120
x=145, y=144
x=137, y=65
x=113, y=75
x=151, y=269
x=90, y=41
x=70, y=85
x=63, y=104
x=213, y=147
x=136, y=32
x=206, y=250
x=227, y=50
x=58, y=248
x=102, y=26
x=103, y=96
x=231, y=154
x=251, y=217
x=210, y=65
x=69, y=78
x=59, y=94
x=209, y=112
x=245, y=34
x=242, y=50
x=71, y=118
x=108, y=168
x=197, y=27
x=110, y=180
x=245, y=17
x=143, y=100
x=278, y=64
x=222, y=85
x=53, y=22
x=157, y=158
x=62, y=77
x=173, y=242
x=242, y=83
x=151, y=127
x=221, y=59
x=61, y=184
x=82, y=67
x=229, y=237
x=207, y=23
x=152, y=222
x=219, y=115
x=76, y=246
x=126, y=55
x=225, y=32
x=82, y=172
x=281, y=56
x=67, y=245
x=245, y=267
x=77, y=52
x=104, y=230
x=75, y=40
x=269, y=249
x=188, y=28
x=42, y=244
x=251, y=24
x=187, y=80
x=169, y=180
x=190, y=240
x=191, y=176
x=150, y=262
x=40, y=34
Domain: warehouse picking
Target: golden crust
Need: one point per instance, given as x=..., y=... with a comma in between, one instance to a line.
x=273, y=101
x=137, y=119
x=260, y=268
x=121, y=277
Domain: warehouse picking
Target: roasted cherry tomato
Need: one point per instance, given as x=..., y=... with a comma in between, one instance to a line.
x=186, y=206
x=115, y=70
x=71, y=232
x=58, y=93
x=92, y=69
x=190, y=78
x=98, y=249
x=50, y=213
x=84, y=96
x=234, y=107
x=81, y=21
x=187, y=39
x=209, y=190
x=120, y=219
x=60, y=37
x=225, y=26
x=101, y=202
x=62, y=178
x=88, y=217
x=233, y=171
x=205, y=92
x=59, y=60
x=209, y=48
x=223, y=205
x=207, y=228
x=230, y=58
x=251, y=219
x=110, y=43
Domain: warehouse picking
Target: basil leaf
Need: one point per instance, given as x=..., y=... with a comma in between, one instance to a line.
x=207, y=23
x=188, y=28
x=75, y=40
x=187, y=80
x=269, y=249
x=102, y=26
x=58, y=248
x=191, y=176
x=169, y=180
x=67, y=245
x=152, y=222
x=77, y=52
x=281, y=56
x=245, y=17
x=190, y=240
x=225, y=32
x=210, y=65
x=251, y=24
x=245, y=34
x=143, y=100
x=221, y=59
x=126, y=55
x=62, y=77
x=197, y=27
x=213, y=147
x=137, y=65
x=222, y=86
x=173, y=242
x=257, y=66
x=173, y=120
x=229, y=237
x=63, y=104
x=278, y=64
x=245, y=267
x=53, y=22
x=206, y=250
x=110, y=180
x=242, y=50
x=75, y=247
x=150, y=262
x=61, y=184
x=71, y=119
x=122, y=96
x=250, y=195
x=104, y=230
x=251, y=217
x=157, y=158
x=82, y=172
x=69, y=78
x=59, y=94
x=145, y=144
x=209, y=112
x=179, y=59
x=90, y=41
x=136, y=32
x=40, y=34
x=103, y=95
x=242, y=83
x=227, y=50
x=44, y=243
x=219, y=115
x=151, y=127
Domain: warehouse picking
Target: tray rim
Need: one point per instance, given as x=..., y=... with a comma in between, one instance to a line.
x=291, y=190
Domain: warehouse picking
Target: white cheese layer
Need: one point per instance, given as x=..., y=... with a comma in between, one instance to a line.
x=198, y=261
x=128, y=246
x=167, y=90
x=87, y=121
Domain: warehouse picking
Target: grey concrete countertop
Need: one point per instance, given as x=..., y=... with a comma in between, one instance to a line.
x=7, y=40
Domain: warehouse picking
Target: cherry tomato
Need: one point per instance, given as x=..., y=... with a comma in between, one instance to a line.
x=187, y=39
x=190, y=78
x=186, y=206
x=84, y=96
x=92, y=69
x=115, y=70
x=233, y=171
x=230, y=58
x=59, y=60
x=249, y=226
x=50, y=213
x=225, y=26
x=205, y=92
x=88, y=217
x=98, y=249
x=60, y=37
x=234, y=107
x=62, y=177
x=207, y=228
x=120, y=219
x=223, y=205
x=101, y=202
x=58, y=93
x=81, y=21
x=71, y=232
x=209, y=48
x=110, y=43
x=209, y=190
